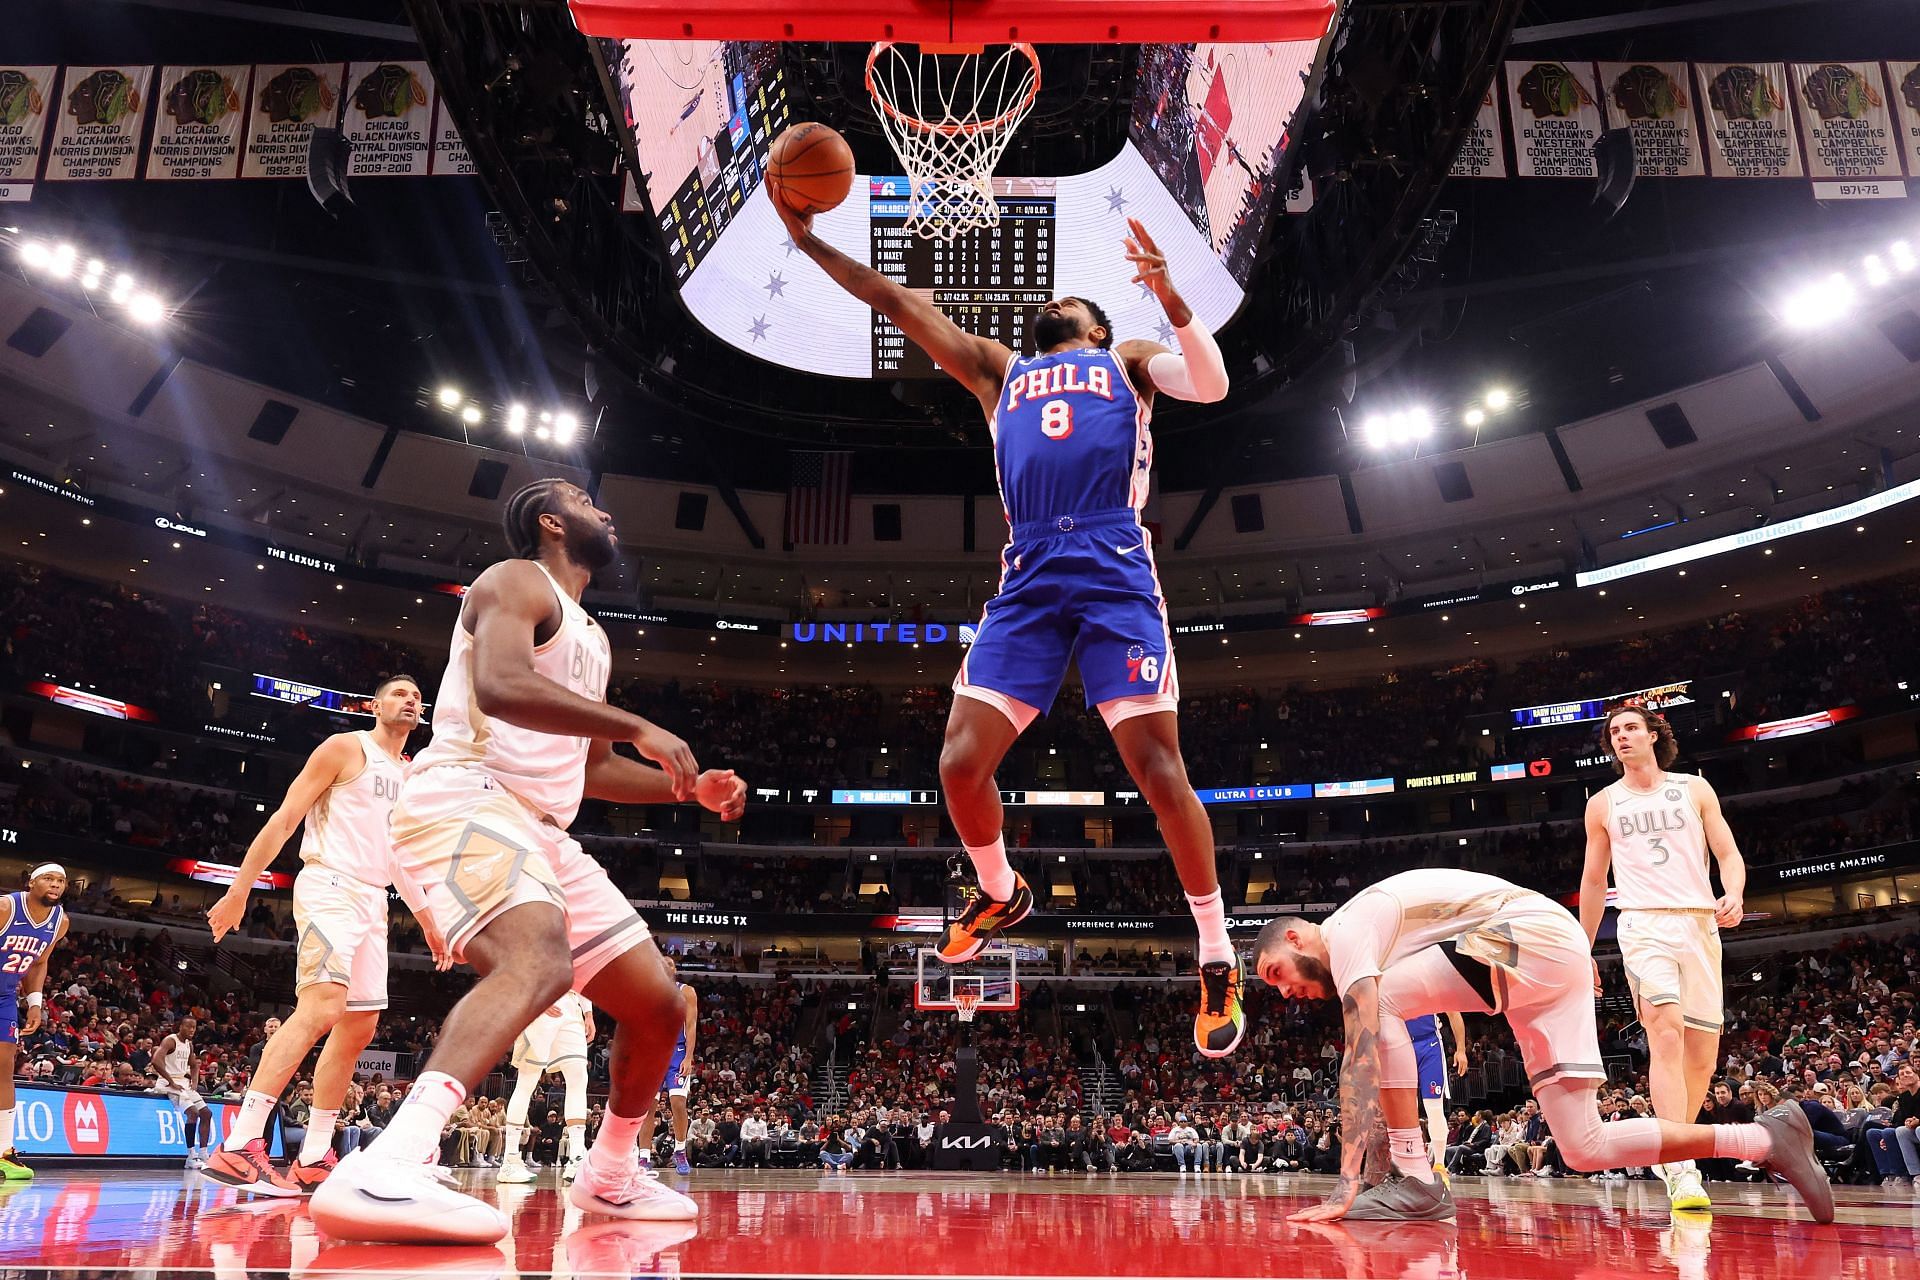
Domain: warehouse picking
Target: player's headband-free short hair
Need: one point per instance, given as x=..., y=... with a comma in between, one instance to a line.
x=1099, y=317
x=520, y=522
x=397, y=677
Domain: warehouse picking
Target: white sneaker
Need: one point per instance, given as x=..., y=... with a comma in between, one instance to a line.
x=395, y=1202
x=513, y=1169
x=571, y=1169
x=1686, y=1192
x=636, y=1193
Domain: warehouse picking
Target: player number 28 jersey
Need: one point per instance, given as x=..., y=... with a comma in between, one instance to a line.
x=1070, y=436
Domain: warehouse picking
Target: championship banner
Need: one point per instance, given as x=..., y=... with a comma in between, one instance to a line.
x=1555, y=110
x=196, y=132
x=389, y=119
x=1906, y=101
x=1483, y=153
x=1653, y=99
x=98, y=137
x=1749, y=124
x=1845, y=120
x=25, y=95
x=289, y=102
x=449, y=148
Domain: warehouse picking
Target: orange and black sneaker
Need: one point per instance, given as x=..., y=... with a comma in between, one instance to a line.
x=308, y=1177
x=983, y=921
x=1222, y=1018
x=249, y=1170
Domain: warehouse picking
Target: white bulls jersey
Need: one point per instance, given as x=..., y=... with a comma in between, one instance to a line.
x=1659, y=845
x=1389, y=921
x=347, y=827
x=545, y=770
x=174, y=1065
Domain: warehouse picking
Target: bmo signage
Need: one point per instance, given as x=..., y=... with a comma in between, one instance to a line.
x=86, y=1122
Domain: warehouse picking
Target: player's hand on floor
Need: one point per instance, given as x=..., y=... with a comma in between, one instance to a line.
x=723, y=791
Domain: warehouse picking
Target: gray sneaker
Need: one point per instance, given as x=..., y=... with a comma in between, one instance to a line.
x=1793, y=1157
x=1403, y=1199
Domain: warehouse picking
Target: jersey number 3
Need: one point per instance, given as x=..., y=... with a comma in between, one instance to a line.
x=1056, y=419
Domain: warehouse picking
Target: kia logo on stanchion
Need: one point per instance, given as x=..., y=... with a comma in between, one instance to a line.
x=965, y=1144
x=86, y=1121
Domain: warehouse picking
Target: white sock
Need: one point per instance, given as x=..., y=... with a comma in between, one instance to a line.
x=577, y=1141
x=1210, y=913
x=513, y=1141
x=6, y=1131
x=319, y=1139
x=251, y=1123
x=679, y=1144
x=1741, y=1142
x=991, y=865
x=1409, y=1151
x=414, y=1135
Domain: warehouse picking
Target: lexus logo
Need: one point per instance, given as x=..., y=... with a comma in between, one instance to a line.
x=161, y=522
x=1523, y=588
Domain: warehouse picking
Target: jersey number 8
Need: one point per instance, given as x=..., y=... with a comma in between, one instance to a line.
x=1056, y=419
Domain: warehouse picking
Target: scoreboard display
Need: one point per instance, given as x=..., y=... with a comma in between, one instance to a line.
x=991, y=283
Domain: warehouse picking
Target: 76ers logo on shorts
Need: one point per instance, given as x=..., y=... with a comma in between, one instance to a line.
x=1142, y=665
x=86, y=1124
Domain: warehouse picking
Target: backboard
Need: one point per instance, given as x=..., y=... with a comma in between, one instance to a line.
x=994, y=974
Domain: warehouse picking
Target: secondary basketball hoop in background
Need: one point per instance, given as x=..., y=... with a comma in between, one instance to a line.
x=949, y=112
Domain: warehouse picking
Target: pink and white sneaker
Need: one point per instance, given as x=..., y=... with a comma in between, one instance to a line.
x=633, y=1193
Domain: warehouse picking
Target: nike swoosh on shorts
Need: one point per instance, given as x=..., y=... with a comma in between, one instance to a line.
x=1126, y=551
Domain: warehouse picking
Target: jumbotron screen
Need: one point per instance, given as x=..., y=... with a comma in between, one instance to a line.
x=1209, y=131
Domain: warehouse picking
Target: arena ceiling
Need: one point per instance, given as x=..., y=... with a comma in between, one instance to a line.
x=1537, y=289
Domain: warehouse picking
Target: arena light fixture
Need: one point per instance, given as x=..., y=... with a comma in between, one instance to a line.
x=1820, y=303
x=61, y=263
x=564, y=427
x=1904, y=260
x=1876, y=269
x=35, y=254
x=146, y=308
x=1498, y=398
x=123, y=288
x=1474, y=416
x=449, y=397
x=471, y=415
x=516, y=419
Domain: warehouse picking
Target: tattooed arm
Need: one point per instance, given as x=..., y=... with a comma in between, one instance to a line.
x=1363, y=1128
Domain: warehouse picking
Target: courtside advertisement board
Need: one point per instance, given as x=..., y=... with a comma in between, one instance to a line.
x=88, y=1122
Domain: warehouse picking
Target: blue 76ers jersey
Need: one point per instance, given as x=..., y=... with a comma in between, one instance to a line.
x=1070, y=436
x=23, y=943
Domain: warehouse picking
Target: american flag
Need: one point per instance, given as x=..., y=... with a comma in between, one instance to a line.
x=819, y=499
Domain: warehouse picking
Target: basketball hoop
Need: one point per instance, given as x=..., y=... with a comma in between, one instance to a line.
x=949, y=112
x=966, y=1003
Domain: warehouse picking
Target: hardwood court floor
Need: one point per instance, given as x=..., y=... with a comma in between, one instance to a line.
x=788, y=1223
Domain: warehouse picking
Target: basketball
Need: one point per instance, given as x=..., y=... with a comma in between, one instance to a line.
x=810, y=168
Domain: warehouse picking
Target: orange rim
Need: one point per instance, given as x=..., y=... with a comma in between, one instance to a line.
x=1000, y=121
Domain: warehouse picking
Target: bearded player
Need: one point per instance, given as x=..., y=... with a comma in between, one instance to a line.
x=1077, y=581
x=34, y=923
x=522, y=734
x=1436, y=940
x=344, y=797
x=1655, y=830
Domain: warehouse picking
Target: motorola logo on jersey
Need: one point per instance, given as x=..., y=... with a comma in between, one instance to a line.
x=85, y=1117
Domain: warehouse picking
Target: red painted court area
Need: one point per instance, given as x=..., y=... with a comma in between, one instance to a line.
x=783, y=1223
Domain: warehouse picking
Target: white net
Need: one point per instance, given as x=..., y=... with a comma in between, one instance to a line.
x=966, y=1003
x=949, y=115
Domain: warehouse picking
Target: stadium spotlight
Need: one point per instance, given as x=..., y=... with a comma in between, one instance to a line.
x=1474, y=416
x=1403, y=426
x=35, y=254
x=449, y=397
x=123, y=286
x=1876, y=269
x=96, y=268
x=470, y=415
x=542, y=433
x=1820, y=303
x=62, y=262
x=145, y=308
x=516, y=419
x=564, y=426
x=1903, y=257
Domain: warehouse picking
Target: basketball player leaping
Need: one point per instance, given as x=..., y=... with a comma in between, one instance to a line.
x=26, y=942
x=557, y=1040
x=1428, y=941
x=1077, y=581
x=344, y=796
x=679, y=1082
x=1655, y=829
x=481, y=854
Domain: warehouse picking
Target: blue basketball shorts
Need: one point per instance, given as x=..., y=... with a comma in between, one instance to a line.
x=10, y=1017
x=1432, y=1061
x=1080, y=592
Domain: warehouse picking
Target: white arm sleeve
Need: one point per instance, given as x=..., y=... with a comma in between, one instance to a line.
x=1197, y=374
